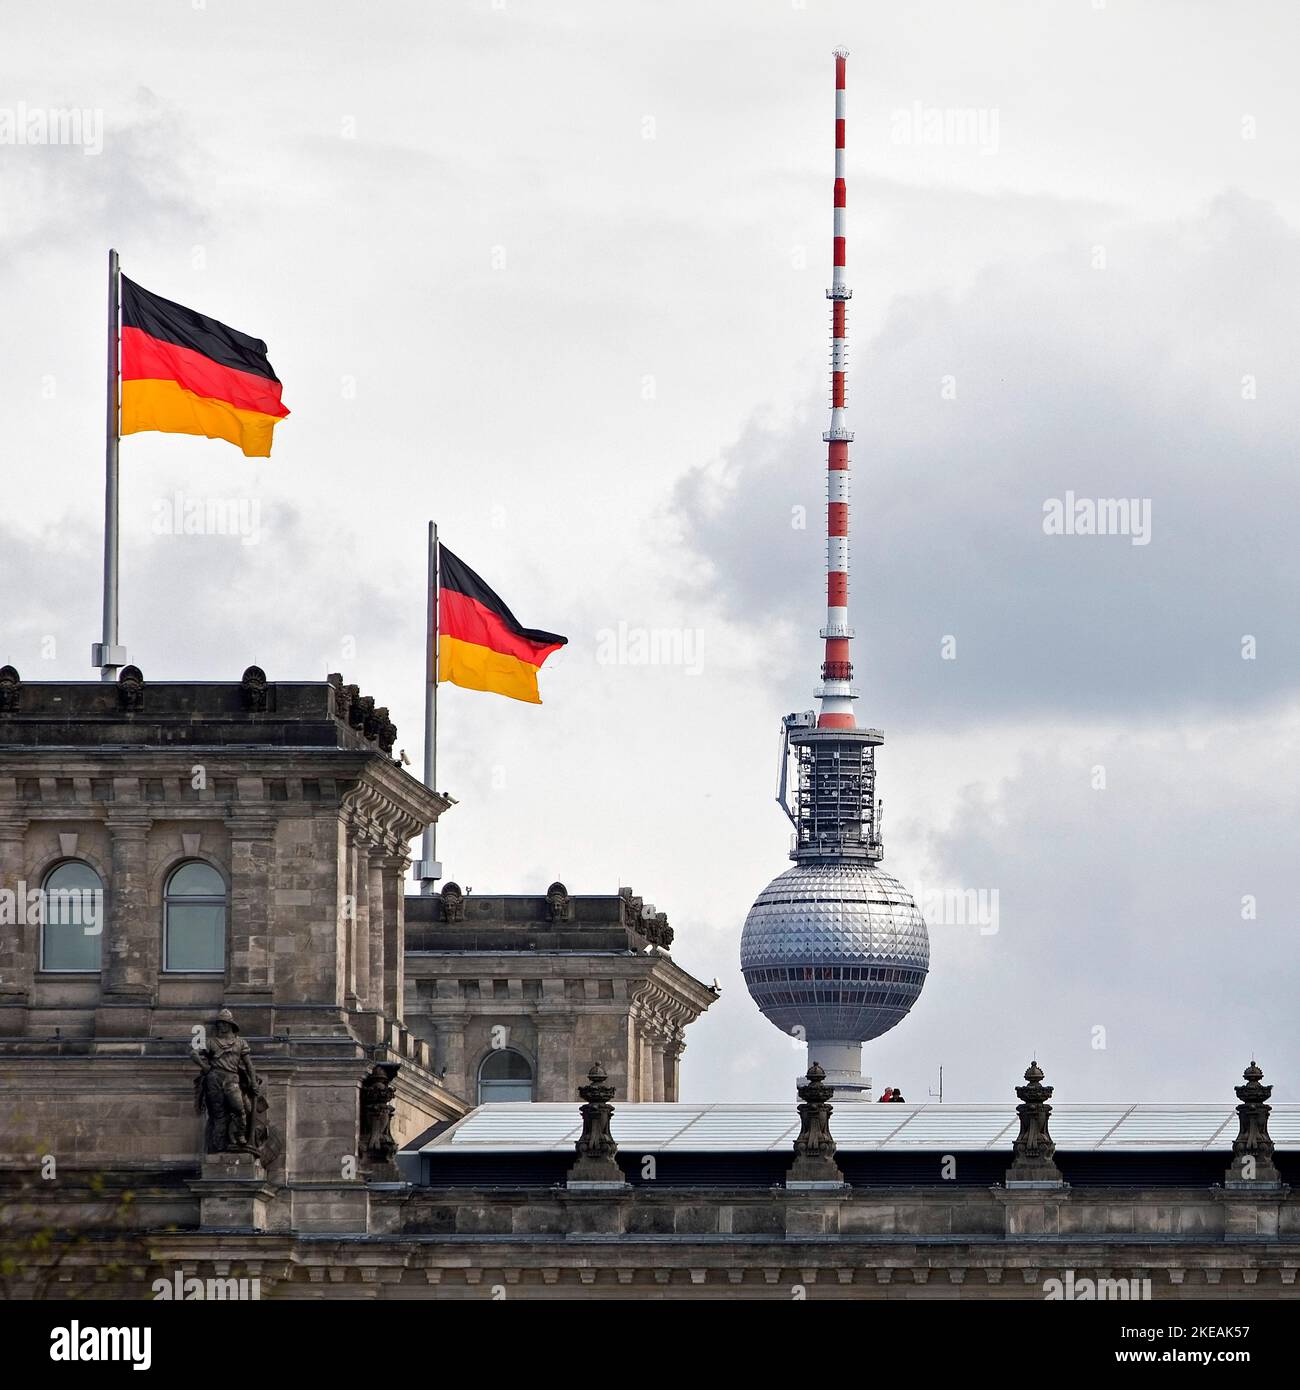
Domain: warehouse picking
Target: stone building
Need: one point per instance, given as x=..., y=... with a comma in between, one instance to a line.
x=171, y=849
x=517, y=995
x=215, y=874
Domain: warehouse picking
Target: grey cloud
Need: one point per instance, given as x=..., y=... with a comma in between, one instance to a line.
x=1118, y=383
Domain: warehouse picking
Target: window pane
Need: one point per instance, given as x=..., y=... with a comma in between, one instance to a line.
x=196, y=936
x=196, y=880
x=505, y=1064
x=72, y=930
x=491, y=1092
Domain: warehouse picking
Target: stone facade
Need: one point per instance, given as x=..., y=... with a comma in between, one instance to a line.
x=288, y=795
x=562, y=980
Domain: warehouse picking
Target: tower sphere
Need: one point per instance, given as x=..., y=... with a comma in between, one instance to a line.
x=834, y=952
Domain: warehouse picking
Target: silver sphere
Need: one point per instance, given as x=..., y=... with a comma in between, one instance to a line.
x=835, y=951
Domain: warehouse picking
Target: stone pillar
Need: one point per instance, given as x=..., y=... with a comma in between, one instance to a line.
x=554, y=1079
x=672, y=1084
x=374, y=998
x=250, y=969
x=394, y=975
x=646, y=1088
x=359, y=935
x=659, y=1048
x=450, y=1031
x=132, y=934
x=814, y=1163
x=19, y=946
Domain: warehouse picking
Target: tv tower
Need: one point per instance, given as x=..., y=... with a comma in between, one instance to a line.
x=834, y=951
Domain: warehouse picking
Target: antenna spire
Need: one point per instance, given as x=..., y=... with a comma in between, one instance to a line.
x=837, y=693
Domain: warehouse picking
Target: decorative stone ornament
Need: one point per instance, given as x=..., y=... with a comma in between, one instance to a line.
x=1033, y=1163
x=10, y=684
x=597, y=1164
x=1252, y=1149
x=253, y=689
x=814, y=1149
x=229, y=1092
x=378, y=1091
x=557, y=902
x=130, y=689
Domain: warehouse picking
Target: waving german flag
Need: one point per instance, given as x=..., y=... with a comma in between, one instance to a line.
x=481, y=644
x=184, y=373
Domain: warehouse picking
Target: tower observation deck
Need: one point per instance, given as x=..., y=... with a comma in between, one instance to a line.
x=834, y=950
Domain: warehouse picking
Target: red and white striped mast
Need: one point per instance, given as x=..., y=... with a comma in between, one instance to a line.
x=837, y=693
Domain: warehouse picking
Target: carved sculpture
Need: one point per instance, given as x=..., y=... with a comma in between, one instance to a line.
x=814, y=1148
x=229, y=1092
x=253, y=687
x=130, y=688
x=557, y=902
x=10, y=684
x=1252, y=1149
x=377, y=1110
x=453, y=903
x=596, y=1149
x=1034, y=1146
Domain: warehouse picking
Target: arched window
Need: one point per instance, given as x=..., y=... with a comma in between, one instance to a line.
x=194, y=919
x=72, y=917
x=504, y=1075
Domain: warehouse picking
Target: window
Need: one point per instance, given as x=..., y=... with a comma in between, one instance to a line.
x=504, y=1075
x=194, y=919
x=72, y=917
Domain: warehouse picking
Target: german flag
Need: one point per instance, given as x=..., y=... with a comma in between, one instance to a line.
x=184, y=373
x=481, y=644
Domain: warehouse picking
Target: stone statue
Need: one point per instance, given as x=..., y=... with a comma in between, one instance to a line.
x=557, y=902
x=1034, y=1146
x=377, y=1111
x=1252, y=1149
x=10, y=684
x=253, y=688
x=814, y=1149
x=596, y=1149
x=229, y=1091
x=130, y=689
x=453, y=903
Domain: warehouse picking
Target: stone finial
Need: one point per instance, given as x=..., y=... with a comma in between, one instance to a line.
x=597, y=1163
x=557, y=902
x=253, y=688
x=130, y=688
x=1033, y=1149
x=10, y=684
x=1252, y=1149
x=378, y=1090
x=453, y=902
x=814, y=1150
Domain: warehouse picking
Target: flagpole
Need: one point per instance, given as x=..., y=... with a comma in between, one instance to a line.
x=107, y=655
x=429, y=870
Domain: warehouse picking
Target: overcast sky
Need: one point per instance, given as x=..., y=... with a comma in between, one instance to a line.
x=553, y=274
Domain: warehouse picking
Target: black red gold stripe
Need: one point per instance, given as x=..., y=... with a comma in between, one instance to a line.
x=186, y=373
x=481, y=644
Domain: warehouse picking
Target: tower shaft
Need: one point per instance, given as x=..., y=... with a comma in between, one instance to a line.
x=837, y=693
